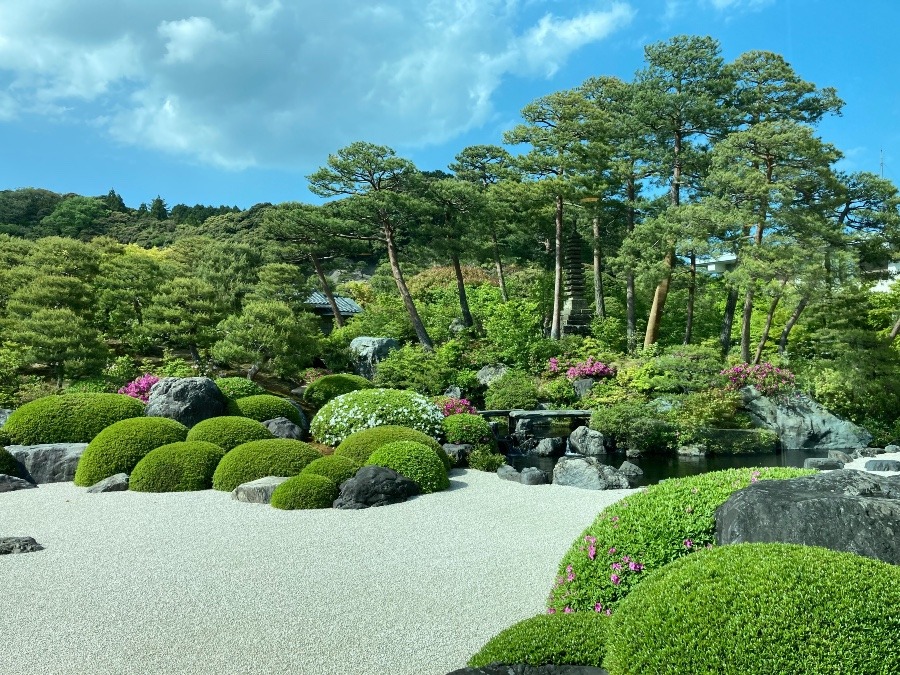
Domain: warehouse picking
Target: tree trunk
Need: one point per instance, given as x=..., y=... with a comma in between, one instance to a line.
x=659, y=301
x=728, y=320
x=599, y=301
x=894, y=330
x=461, y=289
x=692, y=289
x=414, y=317
x=498, y=263
x=555, y=327
x=630, y=315
x=765, y=334
x=195, y=355
x=252, y=371
x=745, y=325
x=782, y=343
x=326, y=289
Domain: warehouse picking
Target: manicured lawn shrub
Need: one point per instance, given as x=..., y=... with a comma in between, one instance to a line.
x=120, y=446
x=8, y=464
x=305, y=491
x=360, y=445
x=335, y=468
x=467, y=428
x=645, y=531
x=263, y=407
x=414, y=460
x=238, y=387
x=578, y=639
x=757, y=609
x=515, y=390
x=177, y=467
x=229, y=432
x=367, y=408
x=258, y=459
x=75, y=418
x=326, y=388
x=483, y=459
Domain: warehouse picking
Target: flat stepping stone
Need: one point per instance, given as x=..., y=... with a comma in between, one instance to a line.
x=822, y=463
x=257, y=491
x=883, y=465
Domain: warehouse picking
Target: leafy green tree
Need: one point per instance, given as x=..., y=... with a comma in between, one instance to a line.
x=159, y=209
x=77, y=217
x=281, y=282
x=125, y=285
x=21, y=211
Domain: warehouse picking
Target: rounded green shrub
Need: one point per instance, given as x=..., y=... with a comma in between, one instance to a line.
x=514, y=390
x=483, y=459
x=4, y=438
x=367, y=408
x=263, y=407
x=414, y=460
x=360, y=445
x=75, y=418
x=305, y=491
x=238, y=387
x=177, y=467
x=326, y=388
x=229, y=432
x=258, y=459
x=8, y=464
x=577, y=639
x=645, y=531
x=465, y=428
x=754, y=609
x=120, y=446
x=335, y=468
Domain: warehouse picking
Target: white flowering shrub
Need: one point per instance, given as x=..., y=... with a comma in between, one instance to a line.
x=367, y=408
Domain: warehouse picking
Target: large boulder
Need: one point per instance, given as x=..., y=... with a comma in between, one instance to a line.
x=116, y=483
x=19, y=545
x=803, y=424
x=48, y=462
x=188, y=400
x=257, y=491
x=882, y=465
x=488, y=374
x=588, y=442
x=366, y=352
x=507, y=472
x=282, y=427
x=822, y=463
x=588, y=473
x=458, y=453
x=375, y=486
x=303, y=419
x=547, y=447
x=531, y=475
x=843, y=510
x=12, y=483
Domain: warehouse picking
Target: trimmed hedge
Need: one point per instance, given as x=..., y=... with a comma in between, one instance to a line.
x=177, y=467
x=263, y=407
x=335, y=468
x=305, y=491
x=120, y=446
x=75, y=418
x=8, y=464
x=360, y=445
x=229, y=432
x=238, y=387
x=645, y=531
x=465, y=428
x=515, y=389
x=258, y=459
x=414, y=460
x=757, y=609
x=319, y=392
x=577, y=638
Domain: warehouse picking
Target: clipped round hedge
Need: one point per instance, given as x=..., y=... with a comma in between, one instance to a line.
x=414, y=460
x=645, y=531
x=757, y=609
x=320, y=391
x=466, y=428
x=368, y=408
x=264, y=407
x=238, y=387
x=177, y=467
x=335, y=468
x=574, y=639
x=120, y=446
x=360, y=445
x=258, y=459
x=305, y=491
x=229, y=432
x=75, y=418
x=8, y=464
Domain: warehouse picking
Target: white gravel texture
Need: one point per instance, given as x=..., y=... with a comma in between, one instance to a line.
x=198, y=582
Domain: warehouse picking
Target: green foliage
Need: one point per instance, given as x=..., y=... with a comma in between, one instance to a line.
x=76, y=418
x=90, y=385
x=334, y=467
x=305, y=491
x=414, y=460
x=120, y=446
x=558, y=391
x=367, y=408
x=577, y=639
x=228, y=432
x=360, y=445
x=238, y=387
x=121, y=370
x=8, y=463
x=263, y=407
x=680, y=369
x=645, y=531
x=411, y=367
x=700, y=411
x=467, y=428
x=326, y=388
x=754, y=609
x=13, y=356
x=636, y=425
x=258, y=459
x=184, y=313
x=482, y=458
x=514, y=335
x=177, y=467
x=174, y=366
x=514, y=390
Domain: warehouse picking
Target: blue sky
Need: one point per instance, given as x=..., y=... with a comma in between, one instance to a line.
x=236, y=101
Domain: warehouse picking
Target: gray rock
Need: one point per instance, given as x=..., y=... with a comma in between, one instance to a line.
x=453, y=391
x=892, y=448
x=840, y=456
x=583, y=387
x=883, y=465
x=488, y=374
x=822, y=463
x=48, y=462
x=282, y=427
x=632, y=472
x=299, y=391
x=548, y=447
x=12, y=483
x=366, y=352
x=304, y=422
x=457, y=326
x=116, y=483
x=692, y=451
x=588, y=473
x=866, y=452
x=842, y=510
x=633, y=453
x=188, y=400
x=375, y=486
x=257, y=491
x=458, y=453
x=506, y=472
x=524, y=669
x=18, y=545
x=4, y=415
x=531, y=475
x=587, y=442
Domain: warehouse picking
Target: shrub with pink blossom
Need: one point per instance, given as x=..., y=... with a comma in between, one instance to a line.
x=769, y=379
x=580, y=369
x=140, y=387
x=450, y=405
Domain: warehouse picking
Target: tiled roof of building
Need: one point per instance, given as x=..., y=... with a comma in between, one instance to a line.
x=317, y=300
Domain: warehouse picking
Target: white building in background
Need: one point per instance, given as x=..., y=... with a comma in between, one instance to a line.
x=883, y=286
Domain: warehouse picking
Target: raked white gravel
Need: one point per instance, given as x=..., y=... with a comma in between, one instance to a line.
x=200, y=583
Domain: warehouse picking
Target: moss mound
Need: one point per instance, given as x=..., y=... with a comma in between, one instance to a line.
x=305, y=491
x=414, y=460
x=578, y=639
x=238, y=387
x=177, y=467
x=229, y=432
x=628, y=539
x=335, y=468
x=120, y=446
x=319, y=392
x=263, y=407
x=755, y=609
x=258, y=459
x=360, y=445
x=75, y=418
x=8, y=464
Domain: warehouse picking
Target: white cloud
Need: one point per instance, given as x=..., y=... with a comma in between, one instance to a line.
x=265, y=82
x=723, y=5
